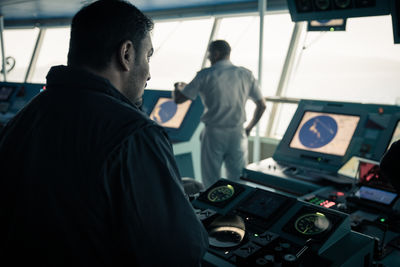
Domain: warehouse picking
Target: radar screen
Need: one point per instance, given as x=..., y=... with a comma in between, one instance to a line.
x=263, y=207
x=221, y=193
x=313, y=223
x=168, y=114
x=326, y=133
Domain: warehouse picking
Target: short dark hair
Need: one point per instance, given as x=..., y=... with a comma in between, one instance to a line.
x=98, y=30
x=221, y=46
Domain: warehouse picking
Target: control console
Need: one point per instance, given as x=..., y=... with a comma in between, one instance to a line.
x=253, y=227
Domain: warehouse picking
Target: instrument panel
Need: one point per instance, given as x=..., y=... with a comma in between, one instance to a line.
x=254, y=227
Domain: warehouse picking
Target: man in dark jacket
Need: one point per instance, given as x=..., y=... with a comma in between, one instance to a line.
x=390, y=165
x=87, y=179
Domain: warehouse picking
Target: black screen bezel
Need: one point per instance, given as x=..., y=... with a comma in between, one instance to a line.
x=315, y=160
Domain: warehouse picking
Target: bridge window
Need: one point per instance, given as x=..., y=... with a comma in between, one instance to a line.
x=19, y=45
x=360, y=64
x=179, y=48
x=53, y=52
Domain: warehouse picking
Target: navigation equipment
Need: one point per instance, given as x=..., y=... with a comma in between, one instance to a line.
x=221, y=193
x=321, y=136
x=326, y=133
x=310, y=222
x=168, y=114
x=179, y=121
x=376, y=195
x=369, y=174
x=327, y=25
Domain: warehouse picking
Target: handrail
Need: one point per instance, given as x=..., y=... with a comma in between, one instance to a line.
x=280, y=99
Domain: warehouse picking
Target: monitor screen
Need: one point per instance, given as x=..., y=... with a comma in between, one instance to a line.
x=376, y=195
x=168, y=114
x=395, y=135
x=327, y=25
x=263, y=204
x=326, y=133
x=369, y=174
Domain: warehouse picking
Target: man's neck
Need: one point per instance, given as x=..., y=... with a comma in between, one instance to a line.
x=106, y=74
x=219, y=60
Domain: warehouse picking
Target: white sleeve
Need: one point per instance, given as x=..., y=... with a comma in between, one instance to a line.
x=254, y=92
x=192, y=90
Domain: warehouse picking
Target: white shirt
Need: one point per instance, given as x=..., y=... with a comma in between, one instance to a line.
x=224, y=89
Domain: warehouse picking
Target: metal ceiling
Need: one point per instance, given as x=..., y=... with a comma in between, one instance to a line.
x=30, y=13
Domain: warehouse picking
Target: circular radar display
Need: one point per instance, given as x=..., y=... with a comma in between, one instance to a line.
x=221, y=193
x=312, y=224
x=318, y=131
x=165, y=111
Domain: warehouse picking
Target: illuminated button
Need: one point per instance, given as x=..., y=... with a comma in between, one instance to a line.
x=329, y=204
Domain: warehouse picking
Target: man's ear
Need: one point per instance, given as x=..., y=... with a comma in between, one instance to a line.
x=126, y=55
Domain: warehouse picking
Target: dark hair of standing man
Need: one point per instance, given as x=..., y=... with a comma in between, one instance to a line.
x=222, y=47
x=98, y=30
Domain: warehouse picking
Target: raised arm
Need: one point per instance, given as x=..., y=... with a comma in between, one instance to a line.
x=177, y=95
x=258, y=112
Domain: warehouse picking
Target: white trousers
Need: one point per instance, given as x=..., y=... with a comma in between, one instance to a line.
x=222, y=145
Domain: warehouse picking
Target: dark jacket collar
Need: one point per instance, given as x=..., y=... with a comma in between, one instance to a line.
x=73, y=78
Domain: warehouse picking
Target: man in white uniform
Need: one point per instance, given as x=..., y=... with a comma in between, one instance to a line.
x=224, y=89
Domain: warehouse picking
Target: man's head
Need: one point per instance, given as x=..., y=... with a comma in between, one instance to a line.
x=218, y=50
x=111, y=38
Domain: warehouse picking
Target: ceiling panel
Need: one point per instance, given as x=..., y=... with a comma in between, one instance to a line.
x=25, y=13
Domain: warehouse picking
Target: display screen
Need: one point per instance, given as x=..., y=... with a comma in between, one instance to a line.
x=396, y=135
x=5, y=93
x=368, y=172
x=331, y=22
x=376, y=195
x=326, y=133
x=263, y=204
x=327, y=25
x=168, y=114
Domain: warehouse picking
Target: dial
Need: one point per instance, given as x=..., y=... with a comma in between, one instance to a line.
x=221, y=193
x=304, y=5
x=343, y=3
x=312, y=223
x=322, y=4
